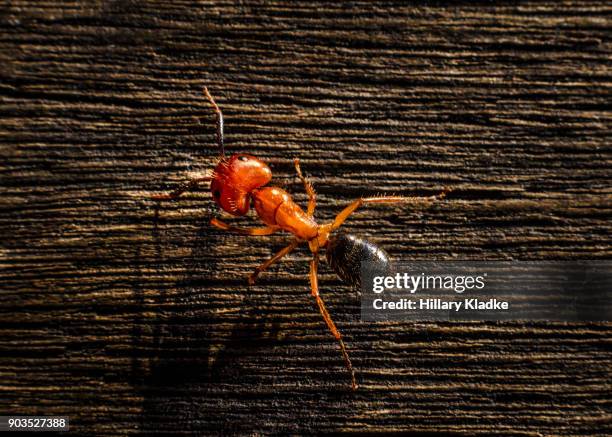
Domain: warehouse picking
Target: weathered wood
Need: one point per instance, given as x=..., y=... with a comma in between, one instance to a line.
x=127, y=315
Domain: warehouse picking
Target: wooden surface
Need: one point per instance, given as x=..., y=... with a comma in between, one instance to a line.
x=131, y=316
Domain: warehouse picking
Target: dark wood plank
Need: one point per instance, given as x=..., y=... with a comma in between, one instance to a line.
x=127, y=315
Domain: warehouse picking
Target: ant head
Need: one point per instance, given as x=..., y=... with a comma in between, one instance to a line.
x=235, y=178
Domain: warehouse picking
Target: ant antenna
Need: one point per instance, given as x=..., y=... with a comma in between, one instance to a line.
x=219, y=115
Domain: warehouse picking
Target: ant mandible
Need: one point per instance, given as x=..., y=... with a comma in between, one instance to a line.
x=241, y=179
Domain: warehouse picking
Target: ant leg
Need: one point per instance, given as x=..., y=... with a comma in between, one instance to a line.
x=244, y=231
x=346, y=212
x=281, y=253
x=219, y=115
x=192, y=183
x=314, y=287
x=312, y=195
x=180, y=190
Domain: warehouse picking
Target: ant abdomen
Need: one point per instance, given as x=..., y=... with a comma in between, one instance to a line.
x=346, y=252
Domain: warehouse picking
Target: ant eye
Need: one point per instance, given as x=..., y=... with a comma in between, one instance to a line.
x=243, y=158
x=216, y=194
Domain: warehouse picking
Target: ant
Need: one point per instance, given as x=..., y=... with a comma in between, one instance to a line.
x=241, y=180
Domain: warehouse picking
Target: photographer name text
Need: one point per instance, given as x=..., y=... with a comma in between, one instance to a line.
x=440, y=304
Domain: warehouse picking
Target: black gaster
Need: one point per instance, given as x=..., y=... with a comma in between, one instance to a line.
x=346, y=252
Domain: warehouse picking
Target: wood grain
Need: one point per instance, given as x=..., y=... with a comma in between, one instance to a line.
x=131, y=316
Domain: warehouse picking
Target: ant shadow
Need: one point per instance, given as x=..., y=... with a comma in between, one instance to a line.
x=192, y=363
x=186, y=349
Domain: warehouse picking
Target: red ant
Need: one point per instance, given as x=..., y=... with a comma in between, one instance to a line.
x=241, y=180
